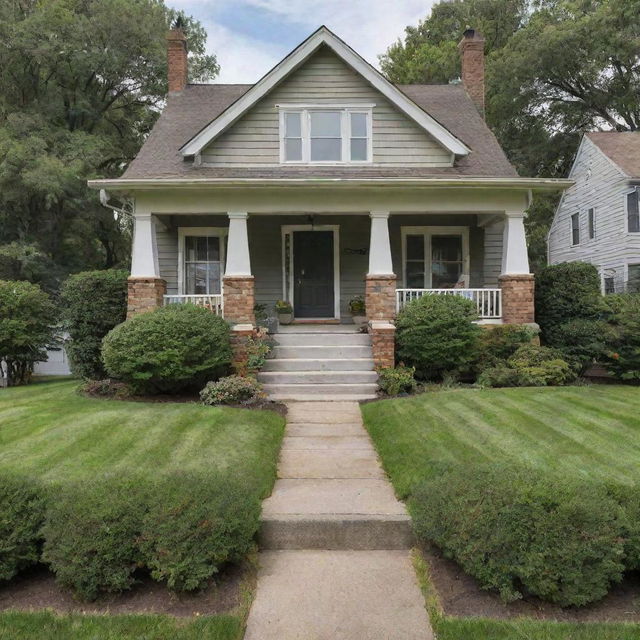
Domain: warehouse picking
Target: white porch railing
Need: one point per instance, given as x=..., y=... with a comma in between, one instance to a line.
x=211, y=302
x=488, y=301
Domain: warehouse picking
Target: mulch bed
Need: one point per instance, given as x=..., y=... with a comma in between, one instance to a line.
x=460, y=596
x=37, y=589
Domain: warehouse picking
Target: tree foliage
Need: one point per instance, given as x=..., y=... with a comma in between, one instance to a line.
x=81, y=83
x=555, y=69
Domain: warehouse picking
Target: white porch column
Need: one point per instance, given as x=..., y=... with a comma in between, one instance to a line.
x=238, y=262
x=380, y=246
x=144, y=258
x=515, y=259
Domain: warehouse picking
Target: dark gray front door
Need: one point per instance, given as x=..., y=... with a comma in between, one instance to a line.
x=313, y=295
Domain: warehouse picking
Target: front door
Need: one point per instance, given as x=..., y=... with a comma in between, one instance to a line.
x=313, y=295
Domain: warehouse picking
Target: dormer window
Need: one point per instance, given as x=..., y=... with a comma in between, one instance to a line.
x=325, y=134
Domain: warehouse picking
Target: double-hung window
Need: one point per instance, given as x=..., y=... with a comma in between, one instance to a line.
x=633, y=211
x=325, y=135
x=575, y=229
x=202, y=259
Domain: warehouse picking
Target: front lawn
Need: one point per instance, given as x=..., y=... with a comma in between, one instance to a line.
x=50, y=432
x=588, y=432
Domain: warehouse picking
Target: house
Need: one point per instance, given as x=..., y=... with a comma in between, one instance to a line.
x=321, y=182
x=598, y=217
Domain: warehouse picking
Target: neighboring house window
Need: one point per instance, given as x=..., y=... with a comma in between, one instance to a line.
x=575, y=228
x=325, y=135
x=202, y=260
x=633, y=278
x=435, y=257
x=592, y=224
x=633, y=212
x=609, y=285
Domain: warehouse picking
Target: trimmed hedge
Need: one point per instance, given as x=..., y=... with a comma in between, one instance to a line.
x=623, y=356
x=92, y=303
x=168, y=350
x=521, y=531
x=436, y=334
x=499, y=342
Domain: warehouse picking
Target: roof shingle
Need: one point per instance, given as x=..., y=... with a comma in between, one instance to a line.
x=621, y=147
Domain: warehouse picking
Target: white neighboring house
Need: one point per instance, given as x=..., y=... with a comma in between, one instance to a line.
x=56, y=364
x=598, y=218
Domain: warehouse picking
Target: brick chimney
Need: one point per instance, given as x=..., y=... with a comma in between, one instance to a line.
x=177, y=59
x=471, y=49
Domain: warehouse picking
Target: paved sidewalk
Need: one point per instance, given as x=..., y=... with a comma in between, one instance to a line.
x=335, y=540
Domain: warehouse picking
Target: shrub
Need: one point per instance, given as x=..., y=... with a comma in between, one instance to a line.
x=521, y=531
x=231, y=390
x=22, y=507
x=105, y=389
x=581, y=340
x=502, y=375
x=567, y=291
x=436, y=334
x=27, y=327
x=93, y=302
x=258, y=348
x=196, y=524
x=91, y=535
x=623, y=356
x=395, y=380
x=168, y=350
x=500, y=342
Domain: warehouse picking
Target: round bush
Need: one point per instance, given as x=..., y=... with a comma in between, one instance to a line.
x=168, y=350
x=521, y=531
x=436, y=334
x=195, y=524
x=91, y=535
x=92, y=302
x=231, y=390
x=22, y=508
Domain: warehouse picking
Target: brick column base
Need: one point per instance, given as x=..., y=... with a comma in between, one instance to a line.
x=144, y=294
x=383, y=338
x=239, y=299
x=517, y=298
x=380, y=297
x=239, y=335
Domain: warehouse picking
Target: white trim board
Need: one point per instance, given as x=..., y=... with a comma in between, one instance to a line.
x=288, y=292
x=297, y=57
x=183, y=232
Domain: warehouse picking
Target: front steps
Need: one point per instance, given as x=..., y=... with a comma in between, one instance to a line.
x=314, y=362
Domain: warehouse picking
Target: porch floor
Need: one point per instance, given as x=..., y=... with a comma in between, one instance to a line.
x=317, y=328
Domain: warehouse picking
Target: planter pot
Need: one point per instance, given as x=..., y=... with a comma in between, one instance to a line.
x=285, y=318
x=360, y=321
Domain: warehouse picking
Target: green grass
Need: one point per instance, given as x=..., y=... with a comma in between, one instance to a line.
x=591, y=432
x=32, y=626
x=49, y=431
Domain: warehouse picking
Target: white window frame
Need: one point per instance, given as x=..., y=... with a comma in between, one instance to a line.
x=626, y=208
x=288, y=291
x=575, y=244
x=428, y=233
x=629, y=262
x=345, y=132
x=209, y=232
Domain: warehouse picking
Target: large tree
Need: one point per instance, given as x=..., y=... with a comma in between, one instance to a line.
x=555, y=69
x=81, y=84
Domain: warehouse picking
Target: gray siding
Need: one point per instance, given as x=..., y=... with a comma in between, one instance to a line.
x=601, y=185
x=325, y=78
x=493, y=234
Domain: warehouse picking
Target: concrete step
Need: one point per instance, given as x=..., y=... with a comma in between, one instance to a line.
x=291, y=391
x=317, y=328
x=314, y=412
x=329, y=443
x=317, y=377
x=331, y=364
x=302, y=463
x=312, y=397
x=321, y=339
x=343, y=532
x=306, y=429
x=322, y=352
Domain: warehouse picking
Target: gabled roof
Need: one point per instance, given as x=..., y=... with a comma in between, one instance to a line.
x=621, y=147
x=187, y=112
x=297, y=57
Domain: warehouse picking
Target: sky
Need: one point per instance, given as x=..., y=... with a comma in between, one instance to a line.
x=251, y=36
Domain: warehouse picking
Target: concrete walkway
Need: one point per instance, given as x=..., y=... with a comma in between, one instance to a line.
x=334, y=560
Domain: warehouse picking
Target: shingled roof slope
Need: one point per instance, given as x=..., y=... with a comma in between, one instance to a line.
x=186, y=113
x=621, y=147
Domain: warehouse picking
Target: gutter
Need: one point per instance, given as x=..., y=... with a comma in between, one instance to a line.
x=152, y=184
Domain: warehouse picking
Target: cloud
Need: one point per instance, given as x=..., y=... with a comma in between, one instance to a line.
x=251, y=36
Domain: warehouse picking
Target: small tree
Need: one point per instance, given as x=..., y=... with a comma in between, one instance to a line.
x=437, y=335
x=93, y=302
x=27, y=327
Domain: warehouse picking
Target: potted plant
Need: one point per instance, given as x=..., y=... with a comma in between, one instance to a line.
x=358, y=311
x=284, y=311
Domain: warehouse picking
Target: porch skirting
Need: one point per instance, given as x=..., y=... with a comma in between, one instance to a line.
x=517, y=298
x=239, y=299
x=144, y=294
